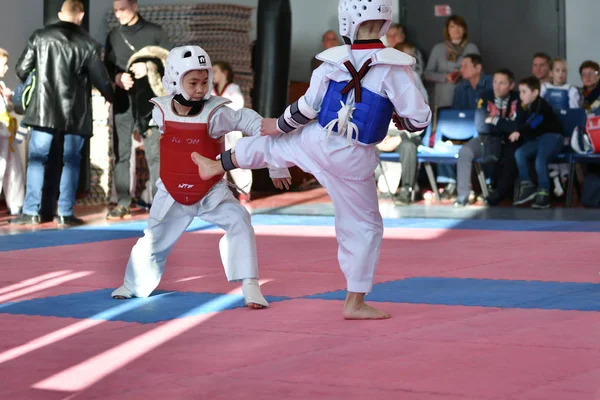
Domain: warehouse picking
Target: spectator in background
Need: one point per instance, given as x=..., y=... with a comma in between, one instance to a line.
x=395, y=36
x=12, y=176
x=224, y=86
x=590, y=92
x=443, y=72
x=541, y=133
x=561, y=96
x=540, y=67
x=443, y=66
x=136, y=83
x=330, y=39
x=495, y=116
x=474, y=83
x=66, y=59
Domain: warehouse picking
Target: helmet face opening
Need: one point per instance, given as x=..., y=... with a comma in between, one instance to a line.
x=182, y=60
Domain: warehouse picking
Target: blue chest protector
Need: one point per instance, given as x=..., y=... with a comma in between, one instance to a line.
x=558, y=98
x=372, y=115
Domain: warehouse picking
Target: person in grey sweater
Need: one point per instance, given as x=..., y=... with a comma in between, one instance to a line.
x=444, y=61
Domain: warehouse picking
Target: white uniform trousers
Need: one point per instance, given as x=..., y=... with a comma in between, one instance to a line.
x=12, y=177
x=169, y=219
x=347, y=172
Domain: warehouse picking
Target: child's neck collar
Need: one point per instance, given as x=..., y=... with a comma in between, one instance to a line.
x=367, y=44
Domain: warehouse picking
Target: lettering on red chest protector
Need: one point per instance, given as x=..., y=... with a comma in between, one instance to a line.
x=357, y=76
x=177, y=170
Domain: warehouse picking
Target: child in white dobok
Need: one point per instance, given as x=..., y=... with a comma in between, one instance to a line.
x=192, y=120
x=332, y=131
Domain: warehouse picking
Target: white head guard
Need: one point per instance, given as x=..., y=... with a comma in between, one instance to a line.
x=352, y=13
x=180, y=61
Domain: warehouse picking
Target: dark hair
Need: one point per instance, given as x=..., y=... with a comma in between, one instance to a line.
x=589, y=64
x=476, y=59
x=226, y=68
x=532, y=83
x=506, y=72
x=544, y=56
x=460, y=21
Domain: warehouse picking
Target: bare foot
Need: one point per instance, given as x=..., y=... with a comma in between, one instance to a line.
x=207, y=168
x=364, y=311
x=356, y=308
x=255, y=306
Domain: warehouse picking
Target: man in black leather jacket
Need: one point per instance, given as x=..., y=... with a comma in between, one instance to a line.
x=67, y=61
x=135, y=54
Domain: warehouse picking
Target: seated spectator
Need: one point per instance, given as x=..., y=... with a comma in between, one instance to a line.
x=330, y=39
x=474, y=83
x=540, y=67
x=495, y=116
x=590, y=92
x=410, y=50
x=561, y=96
x=395, y=36
x=540, y=129
x=557, y=92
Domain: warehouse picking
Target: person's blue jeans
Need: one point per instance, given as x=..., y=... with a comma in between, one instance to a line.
x=39, y=150
x=543, y=149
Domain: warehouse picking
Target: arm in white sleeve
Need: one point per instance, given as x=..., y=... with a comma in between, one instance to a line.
x=157, y=117
x=226, y=120
x=413, y=112
x=543, y=90
x=574, y=97
x=307, y=107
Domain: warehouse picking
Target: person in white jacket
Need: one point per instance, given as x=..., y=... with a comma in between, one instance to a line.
x=12, y=177
x=224, y=86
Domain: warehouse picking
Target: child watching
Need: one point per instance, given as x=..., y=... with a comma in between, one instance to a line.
x=541, y=131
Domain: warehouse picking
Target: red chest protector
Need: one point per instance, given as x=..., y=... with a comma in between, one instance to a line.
x=183, y=135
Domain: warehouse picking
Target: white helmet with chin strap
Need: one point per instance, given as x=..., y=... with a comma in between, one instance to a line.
x=352, y=13
x=180, y=61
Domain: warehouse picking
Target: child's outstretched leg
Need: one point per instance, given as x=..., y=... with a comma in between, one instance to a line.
x=149, y=255
x=359, y=231
x=238, y=247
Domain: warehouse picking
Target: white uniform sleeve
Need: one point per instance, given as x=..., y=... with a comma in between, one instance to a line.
x=574, y=97
x=157, y=117
x=413, y=111
x=225, y=120
x=308, y=106
x=543, y=90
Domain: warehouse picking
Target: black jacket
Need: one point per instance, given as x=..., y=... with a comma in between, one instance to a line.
x=537, y=119
x=67, y=61
x=124, y=44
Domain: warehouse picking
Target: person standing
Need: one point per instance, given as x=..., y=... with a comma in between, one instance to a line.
x=135, y=54
x=67, y=61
